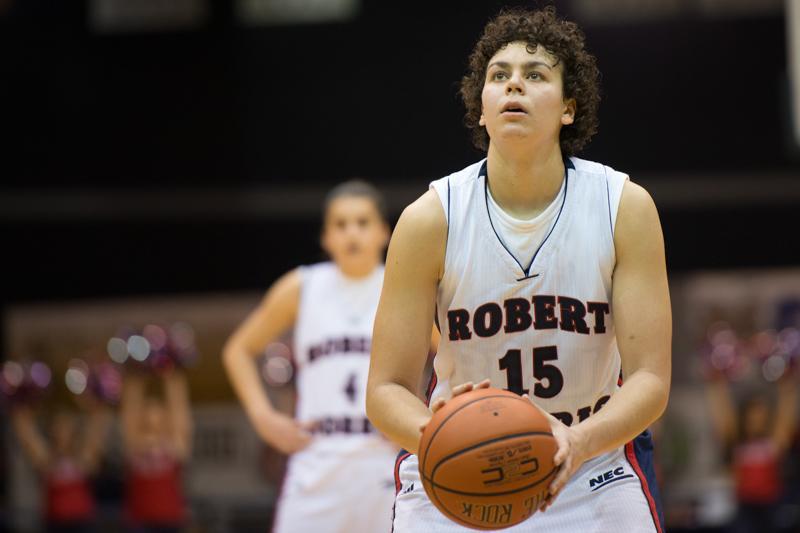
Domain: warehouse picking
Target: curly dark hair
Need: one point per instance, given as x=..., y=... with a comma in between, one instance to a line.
x=561, y=38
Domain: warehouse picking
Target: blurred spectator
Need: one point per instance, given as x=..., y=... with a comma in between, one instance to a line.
x=755, y=439
x=157, y=443
x=65, y=463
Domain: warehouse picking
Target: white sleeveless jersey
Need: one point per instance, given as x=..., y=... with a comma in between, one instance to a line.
x=343, y=480
x=332, y=340
x=545, y=326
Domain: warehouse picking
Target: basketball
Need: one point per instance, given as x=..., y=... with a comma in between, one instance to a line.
x=486, y=459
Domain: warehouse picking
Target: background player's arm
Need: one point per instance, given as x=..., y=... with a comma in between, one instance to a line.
x=96, y=436
x=402, y=333
x=785, y=422
x=276, y=314
x=176, y=393
x=723, y=409
x=30, y=438
x=132, y=406
x=642, y=317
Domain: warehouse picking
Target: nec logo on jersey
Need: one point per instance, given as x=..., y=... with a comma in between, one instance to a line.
x=606, y=478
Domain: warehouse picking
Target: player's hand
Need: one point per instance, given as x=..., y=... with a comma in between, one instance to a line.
x=570, y=455
x=438, y=403
x=283, y=433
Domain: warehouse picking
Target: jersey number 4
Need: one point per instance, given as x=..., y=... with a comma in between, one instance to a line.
x=350, y=388
x=512, y=364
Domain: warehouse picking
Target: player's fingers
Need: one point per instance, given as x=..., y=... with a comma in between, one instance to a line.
x=437, y=404
x=485, y=384
x=562, y=452
x=554, y=422
x=561, y=478
x=461, y=389
x=547, y=502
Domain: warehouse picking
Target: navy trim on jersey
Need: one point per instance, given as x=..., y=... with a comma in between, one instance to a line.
x=447, y=237
x=448, y=203
x=610, y=222
x=525, y=271
x=639, y=453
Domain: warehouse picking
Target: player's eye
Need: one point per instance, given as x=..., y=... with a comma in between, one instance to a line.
x=499, y=75
x=341, y=224
x=534, y=76
x=362, y=222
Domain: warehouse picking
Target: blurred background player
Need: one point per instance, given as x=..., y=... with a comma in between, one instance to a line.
x=339, y=477
x=66, y=458
x=157, y=443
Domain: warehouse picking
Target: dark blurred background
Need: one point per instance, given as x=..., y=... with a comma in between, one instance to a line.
x=133, y=146
x=156, y=149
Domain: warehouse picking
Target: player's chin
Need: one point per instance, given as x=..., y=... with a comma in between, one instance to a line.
x=514, y=132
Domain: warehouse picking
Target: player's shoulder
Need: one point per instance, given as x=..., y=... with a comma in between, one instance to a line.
x=460, y=178
x=322, y=268
x=426, y=217
x=594, y=170
x=637, y=219
x=423, y=216
x=635, y=202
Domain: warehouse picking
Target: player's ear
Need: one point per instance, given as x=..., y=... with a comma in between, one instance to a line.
x=482, y=120
x=568, y=113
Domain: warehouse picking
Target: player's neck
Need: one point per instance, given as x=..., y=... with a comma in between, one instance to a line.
x=524, y=184
x=357, y=272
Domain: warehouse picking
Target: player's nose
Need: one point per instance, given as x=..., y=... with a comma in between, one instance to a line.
x=515, y=84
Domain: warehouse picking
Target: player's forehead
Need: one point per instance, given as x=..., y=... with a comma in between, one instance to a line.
x=518, y=53
x=351, y=206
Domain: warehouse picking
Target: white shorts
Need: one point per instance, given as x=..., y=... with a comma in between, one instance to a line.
x=335, y=494
x=612, y=492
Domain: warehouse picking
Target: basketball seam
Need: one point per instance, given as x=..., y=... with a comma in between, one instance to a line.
x=430, y=442
x=457, y=518
x=490, y=494
x=490, y=441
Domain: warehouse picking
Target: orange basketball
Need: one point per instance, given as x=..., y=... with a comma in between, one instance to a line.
x=486, y=459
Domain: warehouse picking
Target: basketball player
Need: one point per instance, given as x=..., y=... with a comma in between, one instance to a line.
x=546, y=274
x=339, y=472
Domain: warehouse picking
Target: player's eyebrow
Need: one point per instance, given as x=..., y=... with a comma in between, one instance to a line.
x=527, y=65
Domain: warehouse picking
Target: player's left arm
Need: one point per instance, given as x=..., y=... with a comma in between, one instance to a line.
x=641, y=308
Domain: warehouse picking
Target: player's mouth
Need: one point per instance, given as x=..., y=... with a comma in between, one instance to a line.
x=353, y=249
x=511, y=109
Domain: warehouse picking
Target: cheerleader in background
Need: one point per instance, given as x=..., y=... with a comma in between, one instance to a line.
x=157, y=444
x=65, y=462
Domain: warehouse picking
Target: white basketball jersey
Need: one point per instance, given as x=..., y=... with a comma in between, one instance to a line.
x=343, y=480
x=543, y=326
x=332, y=340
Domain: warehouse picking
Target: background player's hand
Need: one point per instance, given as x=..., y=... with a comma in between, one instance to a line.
x=570, y=454
x=438, y=403
x=284, y=433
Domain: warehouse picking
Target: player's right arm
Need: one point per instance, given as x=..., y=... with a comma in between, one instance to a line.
x=402, y=333
x=273, y=317
x=32, y=441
